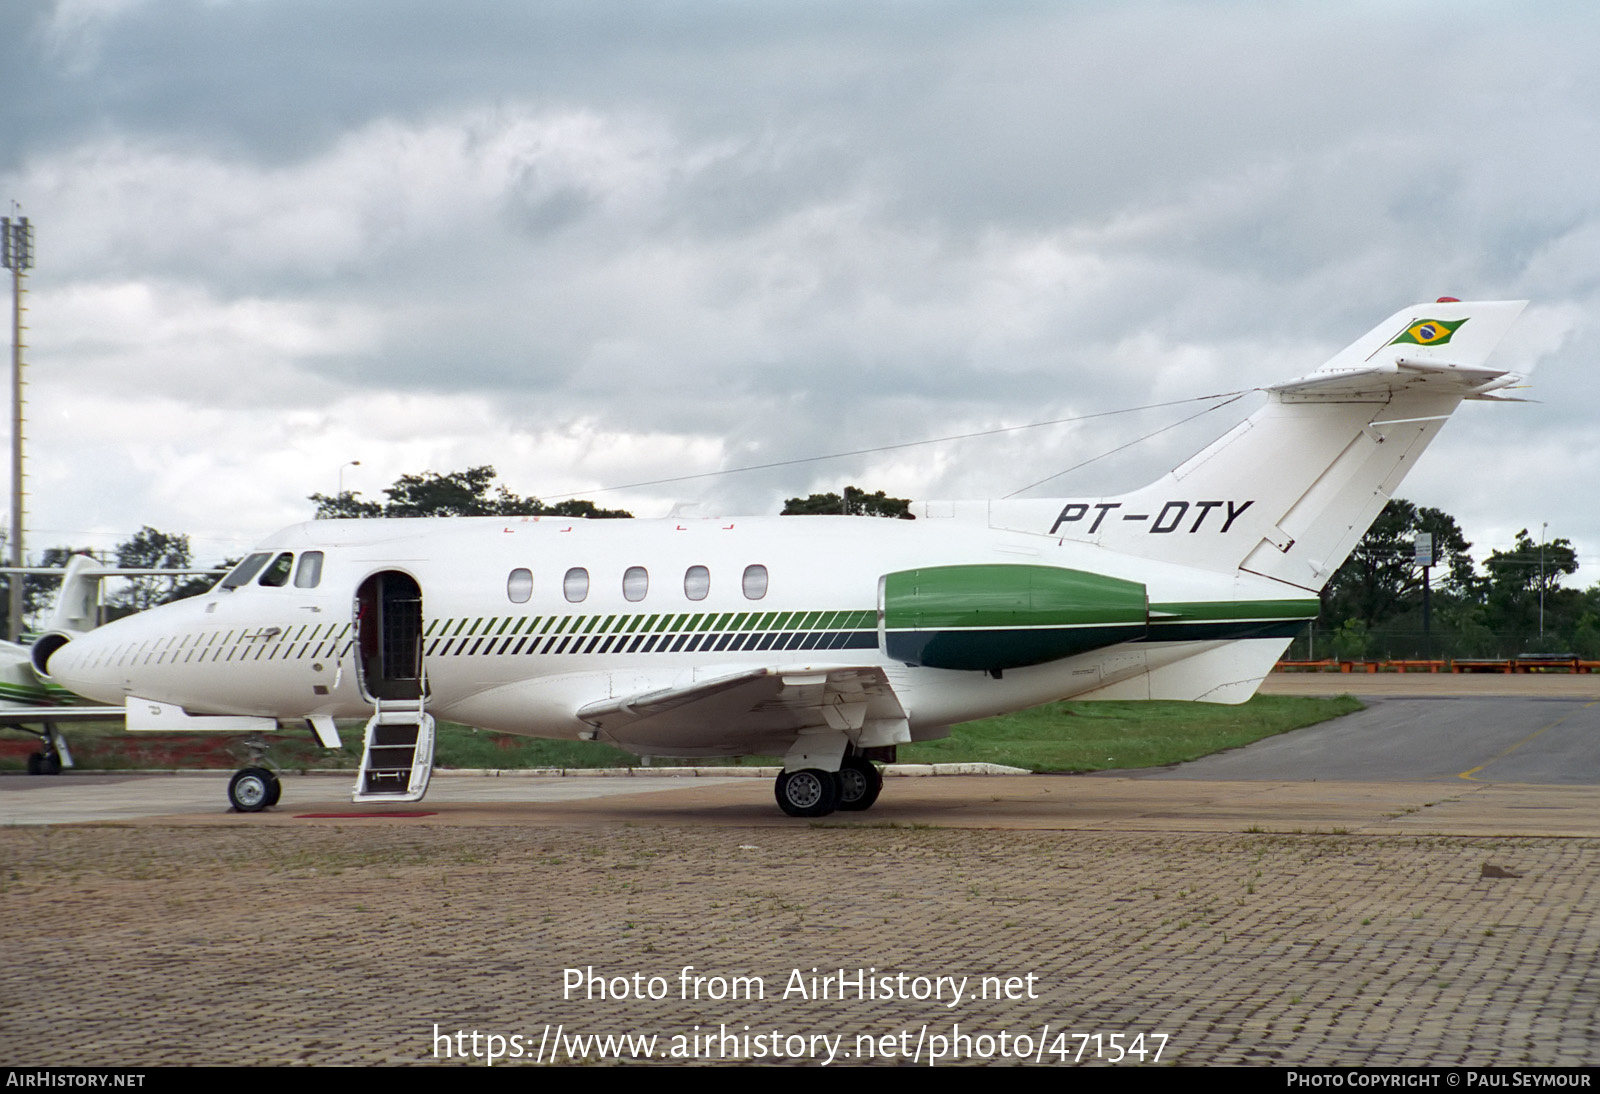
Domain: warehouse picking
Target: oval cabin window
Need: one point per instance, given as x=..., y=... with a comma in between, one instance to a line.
x=575, y=586
x=696, y=582
x=519, y=586
x=635, y=583
x=755, y=582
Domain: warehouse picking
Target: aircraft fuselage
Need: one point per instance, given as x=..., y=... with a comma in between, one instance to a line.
x=522, y=622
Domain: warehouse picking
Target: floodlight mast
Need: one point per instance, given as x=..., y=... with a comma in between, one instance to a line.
x=16, y=254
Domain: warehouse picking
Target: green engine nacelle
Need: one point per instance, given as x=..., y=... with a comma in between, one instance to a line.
x=993, y=617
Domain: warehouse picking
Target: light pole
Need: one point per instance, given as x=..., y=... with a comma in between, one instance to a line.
x=16, y=254
x=349, y=463
x=1542, y=526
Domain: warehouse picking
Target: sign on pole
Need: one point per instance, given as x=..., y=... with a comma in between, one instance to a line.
x=1424, y=548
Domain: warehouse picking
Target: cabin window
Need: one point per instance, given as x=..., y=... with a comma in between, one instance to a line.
x=277, y=574
x=696, y=582
x=575, y=586
x=308, y=575
x=243, y=572
x=755, y=582
x=519, y=585
x=635, y=583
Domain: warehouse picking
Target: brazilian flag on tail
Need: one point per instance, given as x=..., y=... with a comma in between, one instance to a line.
x=1428, y=332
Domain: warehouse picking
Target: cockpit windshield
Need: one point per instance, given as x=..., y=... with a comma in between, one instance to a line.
x=277, y=574
x=243, y=572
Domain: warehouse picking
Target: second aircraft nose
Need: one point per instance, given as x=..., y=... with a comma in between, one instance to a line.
x=80, y=663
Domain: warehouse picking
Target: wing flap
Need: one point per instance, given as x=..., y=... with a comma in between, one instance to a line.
x=840, y=697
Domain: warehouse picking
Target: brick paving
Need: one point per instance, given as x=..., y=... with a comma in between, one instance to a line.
x=345, y=943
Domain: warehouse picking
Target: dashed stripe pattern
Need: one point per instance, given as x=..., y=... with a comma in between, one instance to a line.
x=514, y=636
x=663, y=632
x=301, y=642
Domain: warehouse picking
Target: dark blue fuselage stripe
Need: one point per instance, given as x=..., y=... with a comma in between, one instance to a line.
x=740, y=641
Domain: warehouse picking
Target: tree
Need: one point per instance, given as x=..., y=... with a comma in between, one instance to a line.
x=855, y=503
x=1530, y=567
x=579, y=507
x=1524, y=593
x=458, y=494
x=150, y=549
x=202, y=583
x=39, y=590
x=349, y=504
x=1381, y=580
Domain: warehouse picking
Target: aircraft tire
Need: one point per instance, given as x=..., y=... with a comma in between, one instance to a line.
x=274, y=791
x=250, y=788
x=860, y=782
x=807, y=793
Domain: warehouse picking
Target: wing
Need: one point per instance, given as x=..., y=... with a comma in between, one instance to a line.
x=16, y=716
x=772, y=703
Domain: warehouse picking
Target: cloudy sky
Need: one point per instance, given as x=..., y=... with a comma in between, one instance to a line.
x=600, y=243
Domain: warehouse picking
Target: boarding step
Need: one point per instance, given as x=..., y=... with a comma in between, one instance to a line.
x=398, y=757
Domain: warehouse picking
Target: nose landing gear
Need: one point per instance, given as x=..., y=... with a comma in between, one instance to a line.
x=254, y=787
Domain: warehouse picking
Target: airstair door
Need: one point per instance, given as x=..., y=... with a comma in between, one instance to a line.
x=397, y=754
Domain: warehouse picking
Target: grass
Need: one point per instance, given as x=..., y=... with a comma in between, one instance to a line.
x=1054, y=737
x=1108, y=736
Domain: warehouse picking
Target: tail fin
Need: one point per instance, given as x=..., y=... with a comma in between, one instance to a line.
x=1291, y=490
x=77, y=604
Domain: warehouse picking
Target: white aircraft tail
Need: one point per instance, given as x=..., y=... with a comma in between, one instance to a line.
x=1291, y=490
x=77, y=605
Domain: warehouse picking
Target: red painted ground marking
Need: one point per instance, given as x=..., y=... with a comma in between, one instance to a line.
x=356, y=816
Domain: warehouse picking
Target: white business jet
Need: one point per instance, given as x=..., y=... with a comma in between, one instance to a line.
x=827, y=640
x=34, y=705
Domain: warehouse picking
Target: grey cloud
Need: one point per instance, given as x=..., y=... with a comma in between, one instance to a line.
x=801, y=228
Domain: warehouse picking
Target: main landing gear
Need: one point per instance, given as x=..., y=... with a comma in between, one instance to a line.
x=811, y=792
x=53, y=754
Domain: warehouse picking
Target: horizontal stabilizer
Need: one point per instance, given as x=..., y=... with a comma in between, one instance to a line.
x=1289, y=492
x=1438, y=348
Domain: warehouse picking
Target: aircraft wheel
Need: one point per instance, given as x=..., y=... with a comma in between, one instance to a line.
x=250, y=788
x=807, y=793
x=860, y=782
x=274, y=790
x=41, y=763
